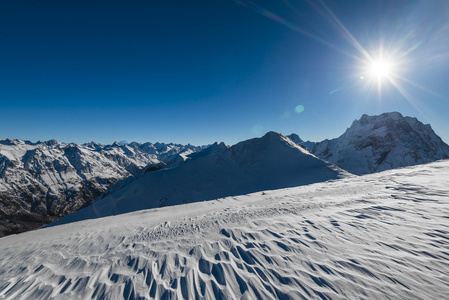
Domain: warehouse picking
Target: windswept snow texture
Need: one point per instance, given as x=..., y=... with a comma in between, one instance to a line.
x=41, y=182
x=378, y=236
x=270, y=162
x=383, y=142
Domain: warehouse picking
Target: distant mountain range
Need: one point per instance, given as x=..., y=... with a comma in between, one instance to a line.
x=41, y=182
x=44, y=181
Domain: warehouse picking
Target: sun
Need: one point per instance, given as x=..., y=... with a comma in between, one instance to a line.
x=380, y=69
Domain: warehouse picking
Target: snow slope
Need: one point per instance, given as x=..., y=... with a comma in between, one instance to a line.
x=270, y=162
x=383, y=142
x=378, y=236
x=43, y=181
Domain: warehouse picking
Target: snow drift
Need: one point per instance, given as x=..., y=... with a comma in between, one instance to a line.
x=378, y=236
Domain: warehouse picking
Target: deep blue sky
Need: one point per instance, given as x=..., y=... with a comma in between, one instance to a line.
x=215, y=70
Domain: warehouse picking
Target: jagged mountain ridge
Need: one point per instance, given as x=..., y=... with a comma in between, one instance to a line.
x=383, y=142
x=43, y=181
x=267, y=163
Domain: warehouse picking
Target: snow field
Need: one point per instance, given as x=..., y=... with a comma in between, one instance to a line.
x=379, y=236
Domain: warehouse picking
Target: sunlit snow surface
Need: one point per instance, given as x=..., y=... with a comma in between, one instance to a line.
x=378, y=236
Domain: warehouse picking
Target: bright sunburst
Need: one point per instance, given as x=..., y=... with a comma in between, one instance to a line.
x=380, y=69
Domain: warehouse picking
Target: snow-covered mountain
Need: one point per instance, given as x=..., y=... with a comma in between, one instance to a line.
x=386, y=141
x=43, y=181
x=297, y=140
x=378, y=236
x=270, y=162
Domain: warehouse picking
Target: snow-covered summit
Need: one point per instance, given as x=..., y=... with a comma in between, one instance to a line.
x=386, y=141
x=270, y=162
x=297, y=140
x=123, y=142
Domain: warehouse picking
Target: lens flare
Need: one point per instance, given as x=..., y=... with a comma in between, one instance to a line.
x=299, y=109
x=257, y=129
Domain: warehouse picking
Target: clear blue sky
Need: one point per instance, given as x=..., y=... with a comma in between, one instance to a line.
x=216, y=70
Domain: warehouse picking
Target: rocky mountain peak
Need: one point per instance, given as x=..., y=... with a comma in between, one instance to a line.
x=386, y=141
x=295, y=139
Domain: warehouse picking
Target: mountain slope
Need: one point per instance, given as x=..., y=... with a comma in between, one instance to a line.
x=378, y=236
x=41, y=182
x=266, y=163
x=386, y=141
